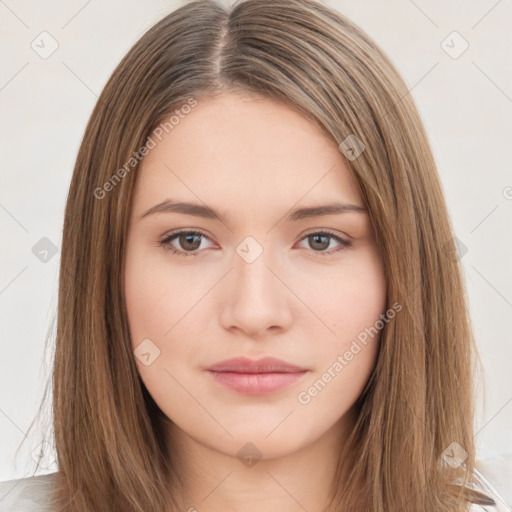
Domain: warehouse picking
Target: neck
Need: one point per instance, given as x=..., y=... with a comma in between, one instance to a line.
x=214, y=481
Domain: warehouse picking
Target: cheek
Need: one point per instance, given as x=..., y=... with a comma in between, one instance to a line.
x=346, y=358
x=351, y=309
x=157, y=304
x=334, y=389
x=162, y=305
x=156, y=299
x=348, y=298
x=145, y=305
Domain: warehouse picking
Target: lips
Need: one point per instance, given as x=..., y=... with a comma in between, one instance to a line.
x=265, y=365
x=260, y=377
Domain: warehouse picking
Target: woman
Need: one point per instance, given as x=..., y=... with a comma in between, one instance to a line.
x=255, y=369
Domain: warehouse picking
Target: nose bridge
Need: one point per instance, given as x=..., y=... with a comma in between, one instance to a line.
x=257, y=297
x=252, y=272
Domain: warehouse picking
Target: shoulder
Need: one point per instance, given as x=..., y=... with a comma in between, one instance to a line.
x=31, y=494
x=493, y=477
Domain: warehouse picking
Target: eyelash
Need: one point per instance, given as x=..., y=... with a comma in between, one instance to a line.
x=165, y=242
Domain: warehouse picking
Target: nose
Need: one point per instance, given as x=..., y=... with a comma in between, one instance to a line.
x=258, y=297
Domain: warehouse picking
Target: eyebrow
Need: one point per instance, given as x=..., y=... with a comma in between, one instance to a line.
x=201, y=210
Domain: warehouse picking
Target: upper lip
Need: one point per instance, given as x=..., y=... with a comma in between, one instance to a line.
x=265, y=365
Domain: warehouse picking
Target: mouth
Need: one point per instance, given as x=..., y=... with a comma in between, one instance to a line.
x=260, y=377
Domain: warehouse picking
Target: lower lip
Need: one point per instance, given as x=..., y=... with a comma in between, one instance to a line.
x=256, y=383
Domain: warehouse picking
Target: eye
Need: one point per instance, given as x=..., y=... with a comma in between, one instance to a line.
x=320, y=240
x=190, y=241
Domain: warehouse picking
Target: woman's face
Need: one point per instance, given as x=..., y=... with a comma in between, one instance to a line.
x=260, y=278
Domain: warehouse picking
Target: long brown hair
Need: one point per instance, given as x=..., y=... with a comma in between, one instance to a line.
x=418, y=401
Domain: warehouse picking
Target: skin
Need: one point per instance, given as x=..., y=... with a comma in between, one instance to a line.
x=254, y=160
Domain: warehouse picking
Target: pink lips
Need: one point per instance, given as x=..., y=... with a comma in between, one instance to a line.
x=256, y=377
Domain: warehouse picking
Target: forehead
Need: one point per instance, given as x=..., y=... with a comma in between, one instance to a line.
x=245, y=150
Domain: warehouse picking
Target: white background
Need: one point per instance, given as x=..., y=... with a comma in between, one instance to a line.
x=465, y=104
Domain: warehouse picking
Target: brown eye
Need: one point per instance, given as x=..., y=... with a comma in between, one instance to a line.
x=188, y=241
x=320, y=241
